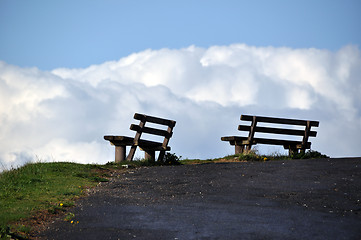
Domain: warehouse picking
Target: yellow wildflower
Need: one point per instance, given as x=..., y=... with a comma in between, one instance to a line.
x=61, y=204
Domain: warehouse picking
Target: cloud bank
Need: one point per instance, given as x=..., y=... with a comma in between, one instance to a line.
x=62, y=115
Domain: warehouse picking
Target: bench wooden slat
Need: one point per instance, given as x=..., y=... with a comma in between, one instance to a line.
x=156, y=120
x=154, y=148
x=285, y=143
x=294, y=132
x=279, y=120
x=128, y=141
x=119, y=140
x=235, y=140
x=147, y=144
x=149, y=130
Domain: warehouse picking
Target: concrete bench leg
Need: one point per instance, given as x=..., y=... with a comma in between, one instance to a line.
x=120, y=153
x=149, y=155
x=238, y=149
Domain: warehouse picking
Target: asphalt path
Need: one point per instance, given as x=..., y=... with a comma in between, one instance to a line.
x=293, y=199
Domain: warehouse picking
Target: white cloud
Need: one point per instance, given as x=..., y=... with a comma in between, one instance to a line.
x=20, y=95
x=62, y=115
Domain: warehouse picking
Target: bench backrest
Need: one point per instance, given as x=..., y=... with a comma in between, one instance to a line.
x=253, y=128
x=141, y=128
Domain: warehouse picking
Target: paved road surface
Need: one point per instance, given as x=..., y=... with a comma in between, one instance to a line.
x=295, y=199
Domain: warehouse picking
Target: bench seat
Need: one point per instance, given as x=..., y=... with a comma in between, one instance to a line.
x=128, y=141
x=287, y=144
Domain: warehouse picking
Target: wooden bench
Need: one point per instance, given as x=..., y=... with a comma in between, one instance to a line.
x=149, y=147
x=245, y=143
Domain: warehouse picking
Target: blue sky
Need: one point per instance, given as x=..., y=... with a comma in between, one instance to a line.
x=53, y=34
x=74, y=71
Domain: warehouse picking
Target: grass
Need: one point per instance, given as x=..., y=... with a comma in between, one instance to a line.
x=36, y=187
x=254, y=156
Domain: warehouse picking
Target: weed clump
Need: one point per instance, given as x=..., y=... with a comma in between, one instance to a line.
x=309, y=154
x=171, y=159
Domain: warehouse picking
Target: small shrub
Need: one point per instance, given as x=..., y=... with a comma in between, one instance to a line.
x=309, y=154
x=69, y=216
x=171, y=159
